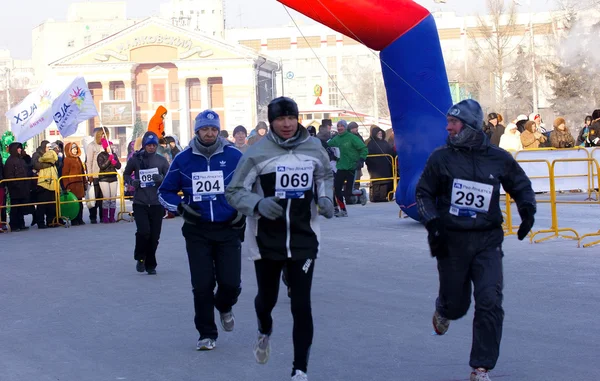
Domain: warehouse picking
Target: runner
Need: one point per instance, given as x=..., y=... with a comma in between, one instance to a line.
x=275, y=186
x=212, y=229
x=458, y=199
x=150, y=170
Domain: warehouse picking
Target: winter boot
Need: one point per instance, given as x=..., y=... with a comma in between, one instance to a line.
x=104, y=216
x=111, y=216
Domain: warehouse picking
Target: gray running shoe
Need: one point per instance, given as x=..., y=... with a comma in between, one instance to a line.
x=363, y=197
x=341, y=213
x=262, y=349
x=299, y=376
x=227, y=321
x=206, y=344
x=480, y=374
x=440, y=323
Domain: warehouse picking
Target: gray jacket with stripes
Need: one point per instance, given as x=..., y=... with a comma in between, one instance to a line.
x=296, y=234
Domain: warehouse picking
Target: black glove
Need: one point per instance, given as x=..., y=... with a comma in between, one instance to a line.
x=135, y=183
x=157, y=177
x=189, y=214
x=239, y=225
x=360, y=163
x=437, y=238
x=527, y=221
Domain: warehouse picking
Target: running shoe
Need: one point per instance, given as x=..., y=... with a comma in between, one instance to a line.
x=262, y=349
x=206, y=344
x=227, y=321
x=140, y=267
x=440, y=323
x=300, y=376
x=480, y=374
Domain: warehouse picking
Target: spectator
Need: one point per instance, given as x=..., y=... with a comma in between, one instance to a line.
x=76, y=185
x=584, y=132
x=91, y=153
x=239, y=135
x=531, y=138
x=108, y=162
x=379, y=167
x=520, y=122
x=157, y=122
x=47, y=178
x=260, y=132
x=495, y=120
x=561, y=136
x=511, y=139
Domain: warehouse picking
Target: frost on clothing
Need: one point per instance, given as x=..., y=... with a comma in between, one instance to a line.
x=192, y=160
x=295, y=235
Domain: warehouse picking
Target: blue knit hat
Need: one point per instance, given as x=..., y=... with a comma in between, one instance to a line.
x=469, y=112
x=343, y=123
x=207, y=118
x=149, y=138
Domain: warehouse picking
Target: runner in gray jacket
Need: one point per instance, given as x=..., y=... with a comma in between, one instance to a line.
x=278, y=184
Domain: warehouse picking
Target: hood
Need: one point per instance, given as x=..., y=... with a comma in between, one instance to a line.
x=301, y=136
x=13, y=147
x=49, y=157
x=160, y=111
x=68, y=148
x=469, y=139
x=98, y=135
x=375, y=131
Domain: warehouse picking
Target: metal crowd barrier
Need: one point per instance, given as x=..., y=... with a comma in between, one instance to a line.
x=394, y=178
x=57, y=192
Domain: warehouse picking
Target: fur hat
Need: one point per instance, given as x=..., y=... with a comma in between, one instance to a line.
x=207, y=118
x=558, y=121
x=469, y=112
x=282, y=106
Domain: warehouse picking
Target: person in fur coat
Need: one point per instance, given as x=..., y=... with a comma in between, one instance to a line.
x=72, y=165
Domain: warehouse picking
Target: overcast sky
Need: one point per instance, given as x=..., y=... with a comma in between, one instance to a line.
x=19, y=17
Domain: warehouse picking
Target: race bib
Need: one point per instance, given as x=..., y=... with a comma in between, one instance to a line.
x=207, y=185
x=146, y=177
x=470, y=198
x=293, y=179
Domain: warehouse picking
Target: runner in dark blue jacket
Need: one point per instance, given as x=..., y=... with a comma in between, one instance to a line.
x=213, y=230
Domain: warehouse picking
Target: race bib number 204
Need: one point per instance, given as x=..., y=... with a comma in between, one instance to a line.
x=470, y=198
x=207, y=185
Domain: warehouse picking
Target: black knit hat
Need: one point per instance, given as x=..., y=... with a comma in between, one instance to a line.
x=240, y=129
x=492, y=116
x=282, y=106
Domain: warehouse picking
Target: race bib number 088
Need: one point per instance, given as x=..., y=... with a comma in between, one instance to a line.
x=146, y=177
x=470, y=198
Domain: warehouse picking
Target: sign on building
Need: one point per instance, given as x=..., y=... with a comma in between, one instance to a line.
x=116, y=113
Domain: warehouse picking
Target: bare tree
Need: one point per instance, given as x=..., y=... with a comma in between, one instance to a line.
x=494, y=42
x=364, y=88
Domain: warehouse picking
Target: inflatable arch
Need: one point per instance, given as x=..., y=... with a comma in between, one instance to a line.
x=413, y=71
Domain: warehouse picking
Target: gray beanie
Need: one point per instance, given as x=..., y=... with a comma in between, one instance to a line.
x=469, y=112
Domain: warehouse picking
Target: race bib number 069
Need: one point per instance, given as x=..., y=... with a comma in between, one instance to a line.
x=470, y=198
x=206, y=185
x=292, y=180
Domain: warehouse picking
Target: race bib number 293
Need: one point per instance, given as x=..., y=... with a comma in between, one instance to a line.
x=470, y=198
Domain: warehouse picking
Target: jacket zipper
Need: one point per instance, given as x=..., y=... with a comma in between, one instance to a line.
x=288, y=223
x=212, y=217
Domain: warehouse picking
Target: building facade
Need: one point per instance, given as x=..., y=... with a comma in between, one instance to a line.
x=154, y=63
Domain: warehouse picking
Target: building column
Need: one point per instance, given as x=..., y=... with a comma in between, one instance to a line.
x=204, y=94
x=169, y=120
x=105, y=90
x=129, y=96
x=185, y=127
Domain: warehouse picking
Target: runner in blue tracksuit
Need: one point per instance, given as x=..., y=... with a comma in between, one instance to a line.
x=213, y=230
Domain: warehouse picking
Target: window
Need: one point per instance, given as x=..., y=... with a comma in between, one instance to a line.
x=87, y=40
x=105, y=35
x=309, y=116
x=142, y=94
x=71, y=43
x=117, y=91
x=213, y=12
x=158, y=92
x=203, y=11
x=195, y=91
x=174, y=92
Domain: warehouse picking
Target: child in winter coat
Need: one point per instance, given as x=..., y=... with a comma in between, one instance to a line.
x=47, y=178
x=108, y=180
